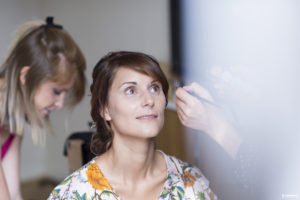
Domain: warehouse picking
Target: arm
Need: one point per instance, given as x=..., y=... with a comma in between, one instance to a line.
x=3, y=185
x=205, y=117
x=11, y=168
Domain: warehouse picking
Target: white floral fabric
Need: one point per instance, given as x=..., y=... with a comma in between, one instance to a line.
x=183, y=181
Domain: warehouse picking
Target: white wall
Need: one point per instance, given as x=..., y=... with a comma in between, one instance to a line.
x=12, y=14
x=98, y=26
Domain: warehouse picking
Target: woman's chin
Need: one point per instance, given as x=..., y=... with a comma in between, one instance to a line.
x=151, y=133
x=44, y=114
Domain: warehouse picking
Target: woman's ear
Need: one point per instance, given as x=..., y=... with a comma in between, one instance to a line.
x=23, y=74
x=105, y=114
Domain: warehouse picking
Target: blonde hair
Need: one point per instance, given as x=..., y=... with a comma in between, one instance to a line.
x=51, y=54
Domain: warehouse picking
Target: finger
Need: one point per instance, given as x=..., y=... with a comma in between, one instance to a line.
x=181, y=106
x=199, y=90
x=188, y=108
x=179, y=93
x=181, y=117
x=185, y=97
x=186, y=111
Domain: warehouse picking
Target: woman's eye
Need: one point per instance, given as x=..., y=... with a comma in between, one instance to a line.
x=155, y=88
x=57, y=92
x=130, y=91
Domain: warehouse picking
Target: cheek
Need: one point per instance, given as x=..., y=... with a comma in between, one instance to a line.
x=122, y=110
x=162, y=121
x=122, y=115
x=161, y=103
x=43, y=98
x=119, y=106
x=38, y=99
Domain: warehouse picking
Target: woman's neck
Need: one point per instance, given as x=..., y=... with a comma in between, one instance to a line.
x=130, y=160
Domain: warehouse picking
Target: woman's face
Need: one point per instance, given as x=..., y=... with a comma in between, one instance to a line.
x=136, y=104
x=50, y=96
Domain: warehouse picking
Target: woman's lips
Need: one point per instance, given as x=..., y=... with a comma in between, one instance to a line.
x=47, y=111
x=147, y=117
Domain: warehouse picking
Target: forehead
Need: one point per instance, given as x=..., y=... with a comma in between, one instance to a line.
x=52, y=84
x=125, y=74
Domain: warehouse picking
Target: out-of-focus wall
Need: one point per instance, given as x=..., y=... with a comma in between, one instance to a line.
x=13, y=13
x=98, y=26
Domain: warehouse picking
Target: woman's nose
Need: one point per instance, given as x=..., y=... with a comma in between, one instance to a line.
x=148, y=99
x=59, y=103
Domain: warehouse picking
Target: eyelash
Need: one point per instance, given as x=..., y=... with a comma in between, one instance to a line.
x=156, y=87
x=56, y=92
x=127, y=90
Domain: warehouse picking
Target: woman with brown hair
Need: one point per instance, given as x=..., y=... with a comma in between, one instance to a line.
x=129, y=97
x=43, y=66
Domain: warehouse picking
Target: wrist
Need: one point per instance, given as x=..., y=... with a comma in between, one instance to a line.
x=221, y=131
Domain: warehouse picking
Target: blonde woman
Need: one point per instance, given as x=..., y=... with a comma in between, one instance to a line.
x=43, y=66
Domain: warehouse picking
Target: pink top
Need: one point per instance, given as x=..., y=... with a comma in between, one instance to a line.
x=6, y=145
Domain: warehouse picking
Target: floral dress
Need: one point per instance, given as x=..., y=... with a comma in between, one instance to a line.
x=88, y=183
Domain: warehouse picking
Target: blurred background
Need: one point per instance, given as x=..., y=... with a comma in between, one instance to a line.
x=245, y=52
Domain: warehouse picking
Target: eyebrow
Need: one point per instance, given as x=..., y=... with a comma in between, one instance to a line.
x=135, y=83
x=125, y=83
